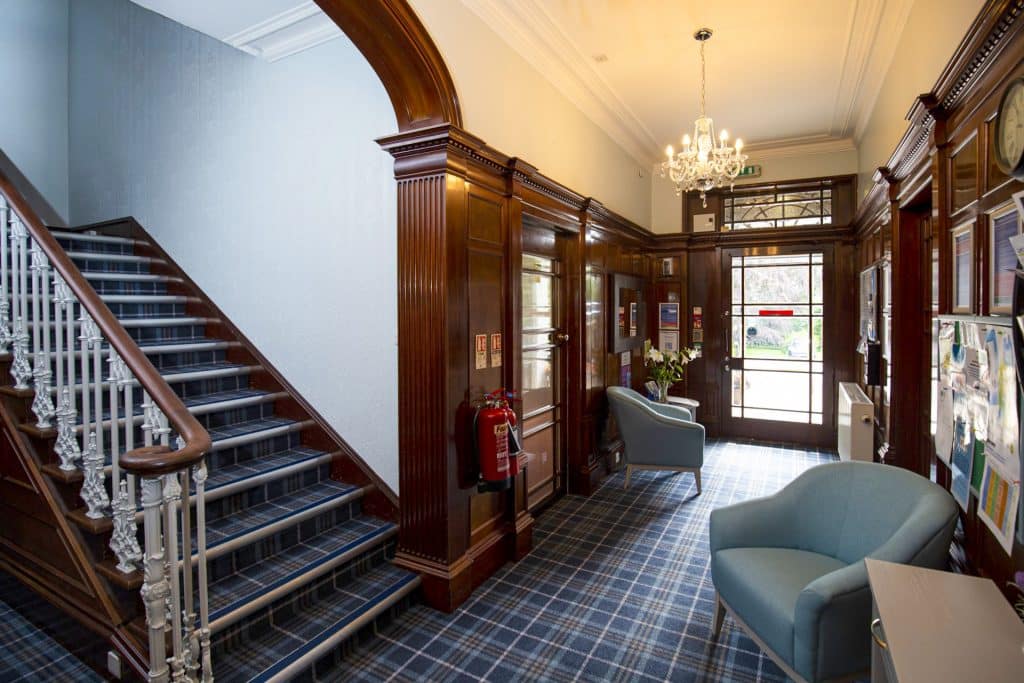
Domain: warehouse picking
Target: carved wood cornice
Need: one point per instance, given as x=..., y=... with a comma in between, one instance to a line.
x=988, y=38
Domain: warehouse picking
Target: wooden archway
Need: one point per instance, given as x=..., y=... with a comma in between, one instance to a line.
x=404, y=56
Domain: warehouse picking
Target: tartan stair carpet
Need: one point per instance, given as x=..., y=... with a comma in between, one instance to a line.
x=296, y=566
x=617, y=588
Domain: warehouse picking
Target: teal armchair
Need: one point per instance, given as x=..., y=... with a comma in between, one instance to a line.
x=789, y=568
x=657, y=436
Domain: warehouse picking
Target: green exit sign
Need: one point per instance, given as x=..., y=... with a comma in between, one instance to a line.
x=750, y=172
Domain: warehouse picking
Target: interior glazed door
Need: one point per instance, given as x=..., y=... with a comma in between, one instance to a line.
x=543, y=377
x=774, y=369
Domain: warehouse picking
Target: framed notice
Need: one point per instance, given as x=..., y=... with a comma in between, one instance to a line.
x=963, y=268
x=668, y=316
x=1004, y=223
x=668, y=341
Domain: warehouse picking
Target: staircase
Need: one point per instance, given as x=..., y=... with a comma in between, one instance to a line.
x=289, y=535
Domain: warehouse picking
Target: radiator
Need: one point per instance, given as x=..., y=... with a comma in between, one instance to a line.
x=856, y=415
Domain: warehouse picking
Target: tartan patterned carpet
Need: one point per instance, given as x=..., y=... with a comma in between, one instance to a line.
x=26, y=652
x=617, y=588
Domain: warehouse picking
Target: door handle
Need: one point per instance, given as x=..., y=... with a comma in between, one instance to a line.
x=559, y=337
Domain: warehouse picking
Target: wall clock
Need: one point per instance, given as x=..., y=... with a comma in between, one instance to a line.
x=1008, y=144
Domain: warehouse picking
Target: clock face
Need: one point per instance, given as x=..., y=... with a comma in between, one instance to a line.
x=1010, y=138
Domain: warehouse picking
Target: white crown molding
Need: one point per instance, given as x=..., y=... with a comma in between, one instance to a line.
x=529, y=29
x=798, y=147
x=292, y=31
x=861, y=30
x=892, y=23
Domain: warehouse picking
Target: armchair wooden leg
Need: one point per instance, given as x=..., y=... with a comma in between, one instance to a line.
x=696, y=474
x=716, y=626
x=629, y=471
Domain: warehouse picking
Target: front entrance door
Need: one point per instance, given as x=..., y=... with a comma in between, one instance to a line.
x=543, y=374
x=774, y=369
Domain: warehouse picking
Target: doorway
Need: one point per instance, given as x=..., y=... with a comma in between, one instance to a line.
x=543, y=366
x=775, y=381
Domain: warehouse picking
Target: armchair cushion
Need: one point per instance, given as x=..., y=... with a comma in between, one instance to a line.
x=764, y=585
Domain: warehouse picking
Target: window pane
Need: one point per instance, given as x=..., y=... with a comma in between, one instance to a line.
x=537, y=301
x=531, y=262
x=780, y=284
x=537, y=380
x=778, y=415
x=777, y=337
x=776, y=390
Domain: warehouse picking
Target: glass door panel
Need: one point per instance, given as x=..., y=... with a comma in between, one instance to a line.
x=541, y=370
x=776, y=340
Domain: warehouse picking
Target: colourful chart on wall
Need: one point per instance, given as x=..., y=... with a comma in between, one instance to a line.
x=978, y=420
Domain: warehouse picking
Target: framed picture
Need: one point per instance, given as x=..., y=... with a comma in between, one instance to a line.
x=1004, y=223
x=963, y=268
x=669, y=266
x=668, y=341
x=668, y=316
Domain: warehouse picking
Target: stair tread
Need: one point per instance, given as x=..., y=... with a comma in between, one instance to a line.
x=291, y=639
x=240, y=588
x=228, y=474
x=248, y=427
x=254, y=517
x=103, y=256
x=91, y=237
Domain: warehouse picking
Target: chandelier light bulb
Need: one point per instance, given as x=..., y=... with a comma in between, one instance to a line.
x=669, y=151
x=702, y=165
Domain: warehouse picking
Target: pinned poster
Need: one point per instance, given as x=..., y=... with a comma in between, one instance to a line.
x=999, y=497
x=961, y=461
x=944, y=425
x=668, y=316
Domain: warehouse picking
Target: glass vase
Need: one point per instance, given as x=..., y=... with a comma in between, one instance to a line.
x=663, y=391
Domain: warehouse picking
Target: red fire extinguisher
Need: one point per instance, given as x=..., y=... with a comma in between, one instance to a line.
x=496, y=443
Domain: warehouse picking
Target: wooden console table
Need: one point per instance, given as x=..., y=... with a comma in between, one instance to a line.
x=933, y=627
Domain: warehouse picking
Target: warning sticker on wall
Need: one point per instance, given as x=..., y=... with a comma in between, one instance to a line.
x=496, y=350
x=481, y=352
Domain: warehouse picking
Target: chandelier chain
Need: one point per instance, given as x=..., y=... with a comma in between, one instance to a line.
x=703, y=80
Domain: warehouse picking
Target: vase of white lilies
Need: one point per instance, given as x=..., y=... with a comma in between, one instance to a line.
x=666, y=368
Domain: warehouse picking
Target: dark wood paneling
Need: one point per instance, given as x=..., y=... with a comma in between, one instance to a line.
x=947, y=149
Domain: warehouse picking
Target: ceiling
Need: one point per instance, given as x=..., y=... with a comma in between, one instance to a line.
x=271, y=29
x=788, y=76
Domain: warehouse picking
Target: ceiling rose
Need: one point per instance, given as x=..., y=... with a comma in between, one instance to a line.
x=703, y=164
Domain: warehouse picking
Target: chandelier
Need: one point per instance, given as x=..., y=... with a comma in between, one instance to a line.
x=703, y=164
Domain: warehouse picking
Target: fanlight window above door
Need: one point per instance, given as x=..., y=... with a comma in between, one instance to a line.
x=778, y=207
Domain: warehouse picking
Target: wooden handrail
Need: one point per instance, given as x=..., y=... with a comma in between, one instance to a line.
x=149, y=461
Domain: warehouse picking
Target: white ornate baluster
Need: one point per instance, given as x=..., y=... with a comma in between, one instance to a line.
x=42, y=405
x=172, y=497
x=190, y=637
x=96, y=344
x=129, y=431
x=21, y=370
x=199, y=474
x=5, y=289
x=94, y=488
x=123, y=541
x=149, y=419
x=155, y=588
x=66, y=446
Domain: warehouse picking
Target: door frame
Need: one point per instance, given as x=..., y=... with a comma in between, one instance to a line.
x=823, y=435
x=562, y=246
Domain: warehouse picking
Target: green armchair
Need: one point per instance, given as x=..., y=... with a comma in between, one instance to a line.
x=789, y=568
x=657, y=436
